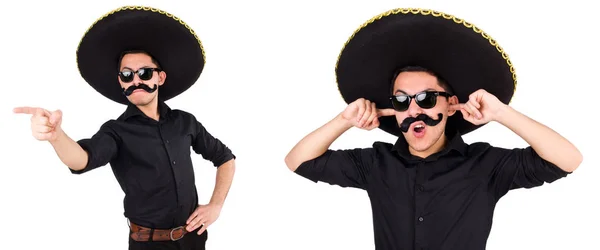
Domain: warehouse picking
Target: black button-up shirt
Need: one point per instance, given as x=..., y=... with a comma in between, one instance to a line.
x=445, y=201
x=152, y=162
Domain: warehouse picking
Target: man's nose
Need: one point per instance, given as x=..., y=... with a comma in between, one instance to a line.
x=136, y=80
x=413, y=108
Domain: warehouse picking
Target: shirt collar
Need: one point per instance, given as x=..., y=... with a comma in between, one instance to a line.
x=133, y=111
x=455, y=143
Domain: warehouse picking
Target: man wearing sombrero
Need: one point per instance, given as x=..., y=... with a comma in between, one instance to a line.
x=142, y=57
x=408, y=72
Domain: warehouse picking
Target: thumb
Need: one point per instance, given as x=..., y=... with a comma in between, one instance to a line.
x=386, y=112
x=55, y=117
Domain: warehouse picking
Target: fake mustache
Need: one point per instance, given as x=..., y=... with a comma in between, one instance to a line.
x=422, y=117
x=145, y=87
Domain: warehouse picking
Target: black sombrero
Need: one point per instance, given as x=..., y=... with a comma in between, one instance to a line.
x=462, y=54
x=168, y=39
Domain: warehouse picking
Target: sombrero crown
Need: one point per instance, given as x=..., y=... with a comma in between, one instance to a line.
x=463, y=55
x=165, y=37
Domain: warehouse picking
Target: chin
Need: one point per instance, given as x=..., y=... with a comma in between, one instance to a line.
x=422, y=144
x=138, y=102
x=141, y=100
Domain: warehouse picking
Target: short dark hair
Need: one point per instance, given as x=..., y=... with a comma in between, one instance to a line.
x=137, y=52
x=441, y=81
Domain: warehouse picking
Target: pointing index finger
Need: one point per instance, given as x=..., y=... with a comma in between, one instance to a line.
x=31, y=111
x=25, y=110
x=386, y=112
x=456, y=106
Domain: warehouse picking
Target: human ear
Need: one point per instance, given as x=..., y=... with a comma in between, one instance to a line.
x=162, y=76
x=453, y=100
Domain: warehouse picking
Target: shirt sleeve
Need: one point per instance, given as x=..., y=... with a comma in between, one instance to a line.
x=211, y=148
x=345, y=168
x=101, y=148
x=522, y=168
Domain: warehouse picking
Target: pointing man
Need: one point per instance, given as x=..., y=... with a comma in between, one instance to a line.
x=141, y=57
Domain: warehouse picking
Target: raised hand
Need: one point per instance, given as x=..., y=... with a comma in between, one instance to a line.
x=363, y=114
x=482, y=107
x=45, y=125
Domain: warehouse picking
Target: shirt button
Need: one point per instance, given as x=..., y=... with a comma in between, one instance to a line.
x=174, y=162
x=420, y=218
x=167, y=141
x=420, y=188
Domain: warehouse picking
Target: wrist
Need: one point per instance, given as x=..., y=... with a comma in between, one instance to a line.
x=342, y=122
x=502, y=114
x=60, y=136
x=216, y=204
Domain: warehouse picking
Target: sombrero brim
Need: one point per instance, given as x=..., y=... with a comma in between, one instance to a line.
x=173, y=43
x=462, y=54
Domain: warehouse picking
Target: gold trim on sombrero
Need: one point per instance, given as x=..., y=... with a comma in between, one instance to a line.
x=145, y=8
x=434, y=13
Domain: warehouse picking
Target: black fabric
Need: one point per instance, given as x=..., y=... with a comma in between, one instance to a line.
x=152, y=162
x=461, y=56
x=443, y=202
x=173, y=45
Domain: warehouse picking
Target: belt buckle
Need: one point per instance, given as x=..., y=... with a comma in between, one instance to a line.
x=171, y=233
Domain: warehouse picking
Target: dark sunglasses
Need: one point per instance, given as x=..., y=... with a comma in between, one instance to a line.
x=425, y=99
x=144, y=74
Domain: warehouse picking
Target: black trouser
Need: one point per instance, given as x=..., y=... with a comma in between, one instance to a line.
x=191, y=241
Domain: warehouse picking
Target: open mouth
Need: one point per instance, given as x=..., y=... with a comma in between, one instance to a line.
x=419, y=128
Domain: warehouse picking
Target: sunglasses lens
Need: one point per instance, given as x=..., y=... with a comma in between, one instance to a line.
x=145, y=74
x=426, y=100
x=126, y=76
x=400, y=103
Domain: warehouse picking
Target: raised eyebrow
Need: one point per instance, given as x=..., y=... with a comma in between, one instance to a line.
x=400, y=91
x=143, y=67
x=425, y=90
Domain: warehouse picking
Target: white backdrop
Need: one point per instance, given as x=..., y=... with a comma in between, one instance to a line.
x=269, y=80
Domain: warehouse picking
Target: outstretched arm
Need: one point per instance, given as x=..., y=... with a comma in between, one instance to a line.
x=46, y=126
x=70, y=152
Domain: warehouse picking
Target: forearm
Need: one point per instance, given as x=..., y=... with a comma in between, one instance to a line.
x=317, y=142
x=547, y=143
x=69, y=151
x=223, y=182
